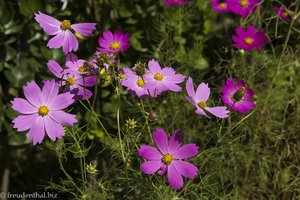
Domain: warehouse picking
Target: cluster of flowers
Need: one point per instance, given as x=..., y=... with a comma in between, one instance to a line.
x=42, y=109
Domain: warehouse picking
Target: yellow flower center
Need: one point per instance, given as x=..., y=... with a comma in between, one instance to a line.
x=65, y=25
x=158, y=76
x=239, y=94
x=70, y=81
x=223, y=5
x=114, y=45
x=249, y=40
x=243, y=3
x=122, y=76
x=202, y=104
x=167, y=158
x=284, y=13
x=43, y=111
x=82, y=69
x=140, y=82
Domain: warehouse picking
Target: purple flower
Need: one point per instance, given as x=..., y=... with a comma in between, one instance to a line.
x=71, y=57
x=220, y=5
x=114, y=43
x=135, y=84
x=249, y=39
x=243, y=7
x=283, y=13
x=41, y=111
x=169, y=157
x=80, y=67
x=160, y=79
x=73, y=82
x=237, y=97
x=63, y=32
x=175, y=2
x=199, y=99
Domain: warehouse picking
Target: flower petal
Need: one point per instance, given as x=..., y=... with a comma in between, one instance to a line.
x=186, y=169
x=176, y=141
x=202, y=93
x=161, y=140
x=57, y=41
x=62, y=101
x=23, y=106
x=33, y=93
x=149, y=153
x=174, y=178
x=186, y=151
x=53, y=129
x=49, y=24
x=55, y=68
x=49, y=92
x=84, y=29
x=70, y=42
x=150, y=167
x=219, y=111
x=63, y=118
x=37, y=131
x=24, y=122
x=154, y=67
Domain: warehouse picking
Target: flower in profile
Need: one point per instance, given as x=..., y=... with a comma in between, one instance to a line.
x=160, y=79
x=199, y=99
x=135, y=84
x=237, y=97
x=250, y=38
x=169, y=157
x=42, y=111
x=175, y=2
x=243, y=7
x=220, y=5
x=114, y=43
x=283, y=13
x=73, y=82
x=63, y=32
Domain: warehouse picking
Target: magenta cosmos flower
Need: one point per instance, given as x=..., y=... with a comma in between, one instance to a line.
x=175, y=2
x=160, y=79
x=63, y=32
x=237, y=97
x=199, y=99
x=114, y=43
x=250, y=38
x=135, y=84
x=169, y=157
x=73, y=82
x=283, y=13
x=220, y=5
x=81, y=67
x=243, y=7
x=41, y=111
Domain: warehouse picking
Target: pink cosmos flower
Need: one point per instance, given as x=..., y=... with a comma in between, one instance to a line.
x=249, y=39
x=41, y=111
x=71, y=57
x=63, y=32
x=283, y=13
x=220, y=5
x=175, y=2
x=73, y=82
x=237, y=96
x=114, y=43
x=199, y=99
x=135, y=84
x=243, y=7
x=80, y=67
x=169, y=157
x=160, y=79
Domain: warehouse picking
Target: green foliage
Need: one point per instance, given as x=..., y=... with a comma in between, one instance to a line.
x=247, y=156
